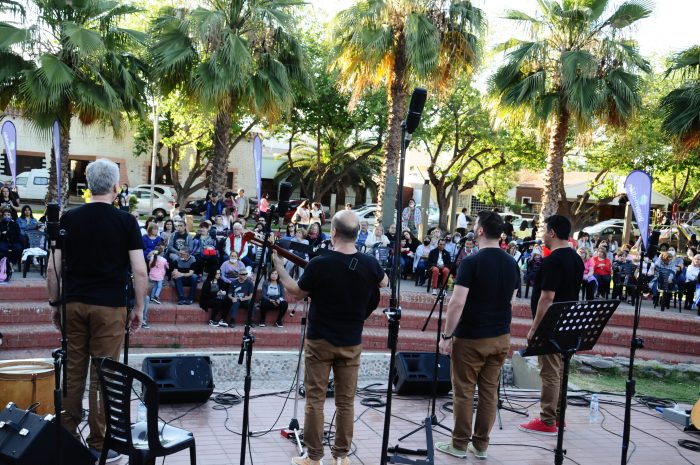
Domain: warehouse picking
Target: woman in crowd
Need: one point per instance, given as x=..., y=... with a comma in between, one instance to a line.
x=231, y=267
x=204, y=250
x=411, y=240
x=585, y=242
x=230, y=216
x=391, y=235
x=272, y=299
x=534, y=263
x=406, y=258
x=264, y=208
x=315, y=236
x=411, y=217
x=213, y=299
x=692, y=279
x=503, y=241
x=123, y=198
x=316, y=214
x=589, y=283
x=513, y=251
x=602, y=271
x=377, y=238
x=294, y=270
x=664, y=279
x=10, y=240
x=151, y=239
x=8, y=201
x=26, y=222
x=302, y=215
x=435, y=236
x=420, y=261
x=168, y=230
x=452, y=245
x=290, y=232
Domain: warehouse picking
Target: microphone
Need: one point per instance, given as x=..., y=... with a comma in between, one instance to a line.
x=415, y=110
x=52, y=222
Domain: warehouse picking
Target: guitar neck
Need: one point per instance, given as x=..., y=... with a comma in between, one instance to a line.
x=297, y=260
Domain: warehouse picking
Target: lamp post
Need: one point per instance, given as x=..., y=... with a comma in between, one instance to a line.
x=156, y=134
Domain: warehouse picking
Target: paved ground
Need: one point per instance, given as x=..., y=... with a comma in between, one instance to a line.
x=218, y=441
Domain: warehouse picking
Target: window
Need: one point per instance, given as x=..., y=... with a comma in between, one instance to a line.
x=21, y=181
x=526, y=200
x=41, y=181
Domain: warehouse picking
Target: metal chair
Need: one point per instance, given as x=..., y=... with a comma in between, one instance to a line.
x=37, y=240
x=145, y=440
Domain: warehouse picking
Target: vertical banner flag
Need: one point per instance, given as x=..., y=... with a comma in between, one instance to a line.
x=57, y=155
x=9, y=137
x=257, y=160
x=638, y=188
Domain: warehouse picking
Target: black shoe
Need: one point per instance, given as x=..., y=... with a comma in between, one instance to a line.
x=112, y=456
x=279, y=325
x=182, y=302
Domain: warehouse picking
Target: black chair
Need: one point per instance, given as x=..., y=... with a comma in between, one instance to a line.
x=142, y=441
x=625, y=283
x=665, y=288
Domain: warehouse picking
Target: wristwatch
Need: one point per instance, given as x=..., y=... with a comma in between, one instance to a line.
x=445, y=337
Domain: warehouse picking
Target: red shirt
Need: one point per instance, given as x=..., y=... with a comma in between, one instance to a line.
x=602, y=267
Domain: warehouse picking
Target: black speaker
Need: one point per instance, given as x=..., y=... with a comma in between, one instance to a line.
x=180, y=379
x=28, y=439
x=414, y=373
x=285, y=192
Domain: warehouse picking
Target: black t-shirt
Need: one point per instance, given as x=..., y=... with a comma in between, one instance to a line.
x=340, y=287
x=508, y=229
x=561, y=272
x=241, y=289
x=491, y=275
x=97, y=244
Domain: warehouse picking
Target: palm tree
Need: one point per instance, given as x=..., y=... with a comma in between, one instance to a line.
x=392, y=43
x=231, y=57
x=70, y=59
x=681, y=106
x=576, y=69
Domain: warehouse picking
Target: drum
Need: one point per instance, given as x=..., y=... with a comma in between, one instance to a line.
x=26, y=382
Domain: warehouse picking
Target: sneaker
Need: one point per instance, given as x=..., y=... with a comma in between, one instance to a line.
x=261, y=325
x=434, y=292
x=481, y=455
x=538, y=427
x=447, y=448
x=182, y=302
x=188, y=302
x=223, y=324
x=305, y=460
x=145, y=325
x=155, y=300
x=213, y=323
x=112, y=456
x=340, y=461
x=279, y=325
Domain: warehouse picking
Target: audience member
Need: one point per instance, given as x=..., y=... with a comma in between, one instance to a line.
x=151, y=239
x=237, y=243
x=240, y=292
x=439, y=263
x=10, y=240
x=213, y=299
x=184, y=275
x=273, y=299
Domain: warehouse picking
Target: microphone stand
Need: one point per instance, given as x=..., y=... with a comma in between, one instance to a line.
x=635, y=343
x=60, y=356
x=248, y=341
x=393, y=315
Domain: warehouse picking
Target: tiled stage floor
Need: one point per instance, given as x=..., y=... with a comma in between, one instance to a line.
x=586, y=444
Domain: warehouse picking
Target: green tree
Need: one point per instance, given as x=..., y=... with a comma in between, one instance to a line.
x=576, y=69
x=681, y=106
x=394, y=43
x=66, y=60
x=463, y=148
x=230, y=57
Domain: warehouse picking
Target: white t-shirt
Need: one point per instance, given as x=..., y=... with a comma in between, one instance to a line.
x=462, y=221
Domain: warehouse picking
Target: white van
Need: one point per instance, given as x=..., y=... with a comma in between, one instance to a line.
x=33, y=184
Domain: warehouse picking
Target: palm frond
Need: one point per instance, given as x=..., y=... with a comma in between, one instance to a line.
x=422, y=44
x=81, y=40
x=11, y=35
x=686, y=63
x=629, y=13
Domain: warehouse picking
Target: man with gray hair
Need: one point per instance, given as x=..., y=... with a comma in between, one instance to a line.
x=102, y=244
x=342, y=284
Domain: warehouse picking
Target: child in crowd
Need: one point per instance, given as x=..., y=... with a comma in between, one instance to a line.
x=156, y=273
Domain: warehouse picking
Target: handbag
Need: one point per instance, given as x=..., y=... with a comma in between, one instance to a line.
x=209, y=252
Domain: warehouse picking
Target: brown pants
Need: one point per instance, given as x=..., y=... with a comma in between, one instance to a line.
x=551, y=371
x=476, y=362
x=319, y=357
x=92, y=331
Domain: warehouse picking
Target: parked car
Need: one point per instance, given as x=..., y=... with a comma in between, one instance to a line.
x=33, y=184
x=163, y=189
x=598, y=227
x=603, y=231
x=161, y=203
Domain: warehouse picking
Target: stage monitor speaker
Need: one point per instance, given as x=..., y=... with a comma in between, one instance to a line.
x=414, y=373
x=29, y=439
x=180, y=379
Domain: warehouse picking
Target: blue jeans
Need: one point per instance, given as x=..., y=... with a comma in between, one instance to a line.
x=146, y=301
x=234, y=309
x=157, y=287
x=190, y=281
x=420, y=270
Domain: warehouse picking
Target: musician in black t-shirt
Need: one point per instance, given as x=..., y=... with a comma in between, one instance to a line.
x=341, y=284
x=101, y=244
x=477, y=334
x=557, y=280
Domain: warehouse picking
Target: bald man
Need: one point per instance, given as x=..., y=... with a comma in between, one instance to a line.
x=341, y=284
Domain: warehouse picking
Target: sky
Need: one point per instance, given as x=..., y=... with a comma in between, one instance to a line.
x=671, y=28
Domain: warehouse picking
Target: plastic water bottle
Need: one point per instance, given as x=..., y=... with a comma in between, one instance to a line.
x=141, y=412
x=593, y=413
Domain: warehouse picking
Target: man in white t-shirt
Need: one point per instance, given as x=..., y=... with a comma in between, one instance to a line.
x=462, y=222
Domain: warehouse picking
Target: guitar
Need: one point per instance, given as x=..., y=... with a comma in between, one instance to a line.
x=253, y=238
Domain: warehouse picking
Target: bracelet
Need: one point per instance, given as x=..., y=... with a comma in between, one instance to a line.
x=445, y=337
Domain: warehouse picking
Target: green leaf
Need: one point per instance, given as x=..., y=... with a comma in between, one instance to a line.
x=10, y=35
x=629, y=13
x=422, y=44
x=84, y=40
x=56, y=75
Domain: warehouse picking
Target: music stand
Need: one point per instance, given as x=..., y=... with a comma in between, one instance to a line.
x=566, y=328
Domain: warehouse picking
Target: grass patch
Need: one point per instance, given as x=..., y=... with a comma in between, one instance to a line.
x=668, y=388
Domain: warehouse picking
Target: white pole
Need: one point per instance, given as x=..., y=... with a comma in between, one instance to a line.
x=156, y=131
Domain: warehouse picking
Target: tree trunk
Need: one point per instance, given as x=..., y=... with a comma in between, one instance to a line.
x=396, y=100
x=443, y=205
x=52, y=192
x=555, y=168
x=219, y=162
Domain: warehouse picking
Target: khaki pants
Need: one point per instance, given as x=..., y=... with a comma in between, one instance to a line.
x=92, y=331
x=319, y=357
x=551, y=371
x=476, y=362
